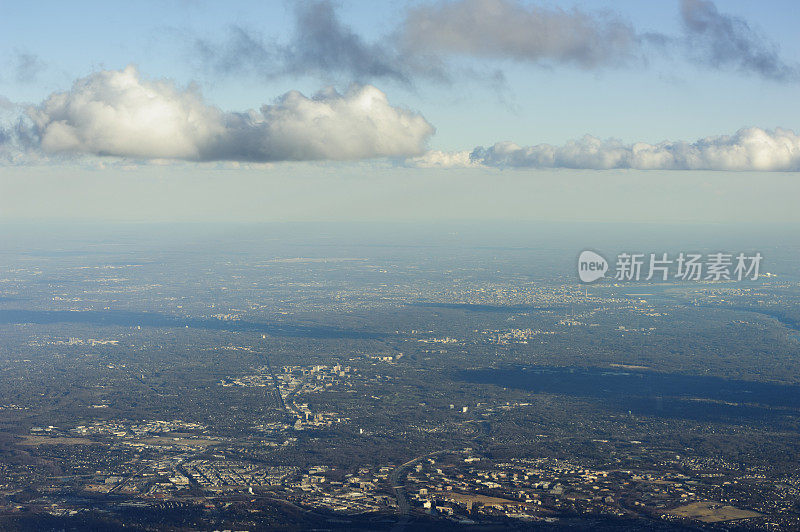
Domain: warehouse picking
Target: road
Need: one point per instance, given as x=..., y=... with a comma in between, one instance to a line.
x=397, y=478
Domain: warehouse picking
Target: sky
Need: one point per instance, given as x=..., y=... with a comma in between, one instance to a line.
x=673, y=111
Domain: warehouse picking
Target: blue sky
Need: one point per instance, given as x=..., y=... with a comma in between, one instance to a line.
x=669, y=81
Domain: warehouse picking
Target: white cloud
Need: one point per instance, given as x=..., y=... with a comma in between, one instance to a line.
x=118, y=113
x=443, y=159
x=752, y=149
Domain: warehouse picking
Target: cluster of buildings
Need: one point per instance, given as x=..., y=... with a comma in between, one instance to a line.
x=123, y=429
x=360, y=492
x=470, y=488
x=221, y=473
x=514, y=336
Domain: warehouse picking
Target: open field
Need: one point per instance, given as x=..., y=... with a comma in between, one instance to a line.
x=712, y=512
x=46, y=440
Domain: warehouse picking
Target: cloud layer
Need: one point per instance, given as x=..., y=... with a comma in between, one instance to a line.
x=749, y=149
x=118, y=113
x=425, y=42
x=433, y=36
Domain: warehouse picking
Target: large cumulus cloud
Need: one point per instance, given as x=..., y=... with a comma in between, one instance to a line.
x=120, y=114
x=749, y=149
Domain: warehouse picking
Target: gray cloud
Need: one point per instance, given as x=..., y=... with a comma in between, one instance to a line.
x=321, y=45
x=425, y=43
x=5, y=137
x=6, y=105
x=18, y=141
x=507, y=29
x=749, y=149
x=9, y=113
x=117, y=113
x=429, y=40
x=242, y=52
x=723, y=41
x=324, y=44
x=27, y=66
